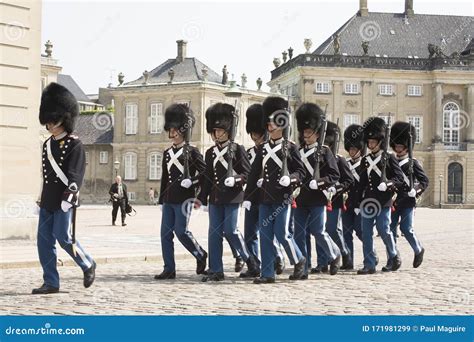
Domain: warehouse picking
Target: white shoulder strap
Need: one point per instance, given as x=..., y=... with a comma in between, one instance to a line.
x=55, y=165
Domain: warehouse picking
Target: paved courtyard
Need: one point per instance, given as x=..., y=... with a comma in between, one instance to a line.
x=130, y=256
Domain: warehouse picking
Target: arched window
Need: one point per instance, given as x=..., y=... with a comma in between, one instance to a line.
x=154, y=163
x=130, y=165
x=451, y=124
x=455, y=183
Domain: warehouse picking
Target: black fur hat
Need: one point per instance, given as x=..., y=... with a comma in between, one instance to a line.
x=58, y=105
x=219, y=115
x=275, y=109
x=374, y=128
x=309, y=115
x=176, y=116
x=353, y=137
x=332, y=133
x=254, y=116
x=400, y=134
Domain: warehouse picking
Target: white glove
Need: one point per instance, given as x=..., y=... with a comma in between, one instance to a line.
x=65, y=206
x=37, y=209
x=186, y=183
x=357, y=211
x=382, y=186
x=229, y=181
x=116, y=195
x=313, y=184
x=412, y=193
x=204, y=208
x=332, y=190
x=246, y=205
x=285, y=181
x=260, y=183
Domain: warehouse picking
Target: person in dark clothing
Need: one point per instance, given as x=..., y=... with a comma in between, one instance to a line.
x=119, y=197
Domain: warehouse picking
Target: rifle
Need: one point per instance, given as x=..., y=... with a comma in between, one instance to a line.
x=284, y=144
x=319, y=149
x=232, y=147
x=338, y=138
x=187, y=138
x=410, y=159
x=385, y=150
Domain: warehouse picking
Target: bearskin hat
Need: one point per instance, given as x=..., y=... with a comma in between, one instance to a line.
x=374, y=128
x=58, y=105
x=254, y=116
x=309, y=115
x=275, y=109
x=400, y=134
x=219, y=115
x=177, y=116
x=353, y=137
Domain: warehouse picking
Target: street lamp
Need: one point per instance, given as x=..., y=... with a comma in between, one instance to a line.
x=235, y=93
x=440, y=189
x=116, y=166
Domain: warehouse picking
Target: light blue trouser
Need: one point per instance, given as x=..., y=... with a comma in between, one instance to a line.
x=405, y=216
x=223, y=221
x=382, y=223
x=52, y=226
x=175, y=220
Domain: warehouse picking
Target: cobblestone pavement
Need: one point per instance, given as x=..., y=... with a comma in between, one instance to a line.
x=441, y=286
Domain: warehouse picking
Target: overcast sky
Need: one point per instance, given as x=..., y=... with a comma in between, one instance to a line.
x=96, y=39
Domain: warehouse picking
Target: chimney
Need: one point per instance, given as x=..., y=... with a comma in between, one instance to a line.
x=409, y=8
x=363, y=10
x=181, y=50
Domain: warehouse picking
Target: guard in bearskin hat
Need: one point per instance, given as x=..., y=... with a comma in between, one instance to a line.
x=351, y=222
x=255, y=128
x=335, y=194
x=310, y=213
x=380, y=176
x=182, y=166
x=227, y=168
x=64, y=163
x=402, y=140
x=277, y=168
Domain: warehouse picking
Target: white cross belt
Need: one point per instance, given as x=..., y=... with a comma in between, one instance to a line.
x=373, y=165
x=271, y=153
x=174, y=160
x=304, y=159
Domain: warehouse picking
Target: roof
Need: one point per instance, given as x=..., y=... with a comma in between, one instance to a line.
x=95, y=129
x=394, y=35
x=188, y=70
x=68, y=82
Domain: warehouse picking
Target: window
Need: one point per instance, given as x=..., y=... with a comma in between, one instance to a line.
x=155, y=166
x=417, y=122
x=350, y=119
x=351, y=88
x=387, y=118
x=131, y=118
x=132, y=196
x=385, y=89
x=156, y=118
x=322, y=87
x=130, y=166
x=103, y=157
x=451, y=123
x=294, y=89
x=414, y=90
x=455, y=186
x=87, y=157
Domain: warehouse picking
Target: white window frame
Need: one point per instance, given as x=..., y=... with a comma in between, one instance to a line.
x=156, y=118
x=130, y=166
x=322, y=87
x=131, y=118
x=87, y=157
x=451, y=127
x=132, y=196
x=103, y=157
x=386, y=89
x=350, y=119
x=414, y=90
x=417, y=122
x=154, y=165
x=351, y=88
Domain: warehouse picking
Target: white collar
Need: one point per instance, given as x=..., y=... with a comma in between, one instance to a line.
x=60, y=136
x=312, y=145
x=276, y=142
